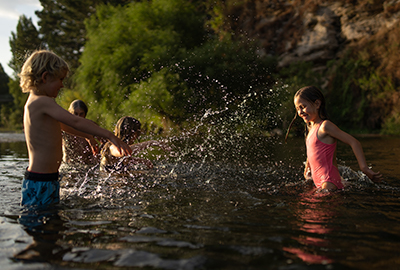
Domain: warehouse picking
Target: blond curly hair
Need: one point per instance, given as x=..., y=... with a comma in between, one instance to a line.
x=38, y=63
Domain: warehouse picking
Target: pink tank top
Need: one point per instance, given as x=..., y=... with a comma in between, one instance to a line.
x=320, y=158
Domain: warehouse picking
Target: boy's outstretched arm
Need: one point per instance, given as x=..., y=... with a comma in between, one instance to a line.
x=89, y=138
x=67, y=120
x=337, y=133
x=122, y=147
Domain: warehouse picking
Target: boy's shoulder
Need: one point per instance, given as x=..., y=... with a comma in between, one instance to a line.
x=38, y=100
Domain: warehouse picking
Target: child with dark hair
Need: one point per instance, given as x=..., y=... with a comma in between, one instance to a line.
x=78, y=150
x=128, y=129
x=321, y=138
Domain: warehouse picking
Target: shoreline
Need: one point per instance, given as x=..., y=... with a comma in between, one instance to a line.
x=6, y=137
x=11, y=137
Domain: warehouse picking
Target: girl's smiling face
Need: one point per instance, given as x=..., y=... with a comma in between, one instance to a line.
x=307, y=110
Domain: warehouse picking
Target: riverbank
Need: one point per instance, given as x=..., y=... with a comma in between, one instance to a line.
x=12, y=137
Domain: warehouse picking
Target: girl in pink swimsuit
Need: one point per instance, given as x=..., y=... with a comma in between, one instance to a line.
x=321, y=137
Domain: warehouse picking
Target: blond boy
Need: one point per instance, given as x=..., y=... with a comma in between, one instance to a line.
x=42, y=76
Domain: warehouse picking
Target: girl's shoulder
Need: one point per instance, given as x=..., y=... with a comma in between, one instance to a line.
x=327, y=125
x=330, y=129
x=326, y=131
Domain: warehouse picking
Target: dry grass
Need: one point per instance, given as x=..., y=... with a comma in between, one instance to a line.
x=383, y=50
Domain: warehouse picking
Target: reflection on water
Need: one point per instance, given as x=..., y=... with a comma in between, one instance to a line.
x=315, y=215
x=207, y=208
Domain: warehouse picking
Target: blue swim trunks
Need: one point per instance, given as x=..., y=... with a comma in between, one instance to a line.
x=40, y=189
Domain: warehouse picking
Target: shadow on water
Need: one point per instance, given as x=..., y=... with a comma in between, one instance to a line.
x=226, y=197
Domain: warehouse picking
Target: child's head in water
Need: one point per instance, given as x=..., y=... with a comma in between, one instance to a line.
x=78, y=108
x=128, y=129
x=36, y=65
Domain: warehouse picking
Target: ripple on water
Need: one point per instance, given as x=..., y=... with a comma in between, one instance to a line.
x=131, y=258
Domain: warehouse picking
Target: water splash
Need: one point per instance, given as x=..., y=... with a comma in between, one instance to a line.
x=226, y=150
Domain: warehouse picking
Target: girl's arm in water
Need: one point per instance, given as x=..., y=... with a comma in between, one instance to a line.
x=332, y=130
x=307, y=170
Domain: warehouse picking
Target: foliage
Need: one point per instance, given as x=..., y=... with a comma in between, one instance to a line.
x=392, y=124
x=346, y=100
x=62, y=25
x=141, y=39
x=66, y=96
x=5, y=97
x=25, y=40
x=381, y=83
x=221, y=71
x=357, y=94
x=152, y=102
x=354, y=87
x=3, y=82
x=15, y=112
x=163, y=65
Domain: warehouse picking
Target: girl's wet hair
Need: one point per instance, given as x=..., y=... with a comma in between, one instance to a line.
x=311, y=94
x=37, y=63
x=78, y=104
x=126, y=127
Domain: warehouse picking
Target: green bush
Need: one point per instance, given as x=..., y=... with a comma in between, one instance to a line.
x=357, y=94
x=153, y=60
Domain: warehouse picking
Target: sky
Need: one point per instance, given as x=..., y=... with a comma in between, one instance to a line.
x=10, y=11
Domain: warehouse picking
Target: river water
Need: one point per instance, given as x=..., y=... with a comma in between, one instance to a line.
x=226, y=201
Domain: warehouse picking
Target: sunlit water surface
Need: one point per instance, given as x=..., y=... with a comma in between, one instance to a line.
x=208, y=205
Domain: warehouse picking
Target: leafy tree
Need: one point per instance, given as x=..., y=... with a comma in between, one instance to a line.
x=62, y=25
x=142, y=39
x=5, y=97
x=161, y=64
x=220, y=72
x=3, y=81
x=24, y=41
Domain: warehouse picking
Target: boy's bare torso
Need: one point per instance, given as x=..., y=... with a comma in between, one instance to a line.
x=43, y=136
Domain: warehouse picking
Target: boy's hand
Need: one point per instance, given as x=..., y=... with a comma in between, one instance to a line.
x=122, y=147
